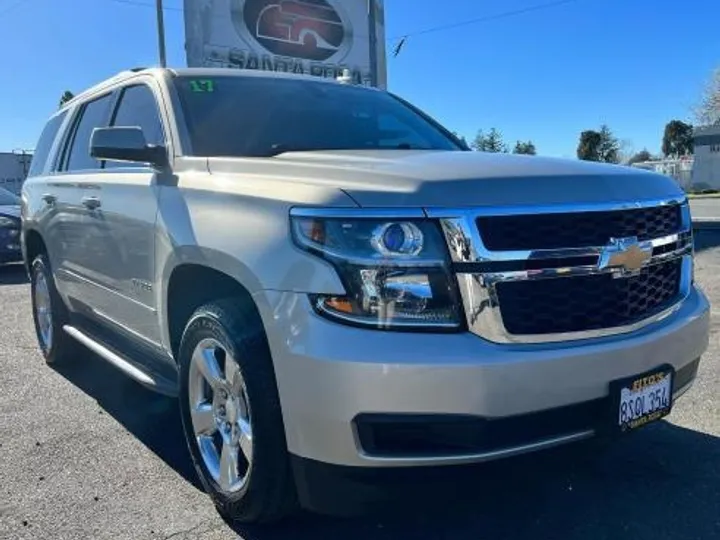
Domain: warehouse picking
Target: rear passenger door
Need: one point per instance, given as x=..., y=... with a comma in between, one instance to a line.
x=121, y=227
x=67, y=234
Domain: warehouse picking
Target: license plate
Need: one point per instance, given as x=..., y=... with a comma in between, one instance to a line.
x=643, y=399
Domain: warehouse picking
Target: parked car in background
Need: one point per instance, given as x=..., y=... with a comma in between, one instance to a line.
x=340, y=294
x=10, y=226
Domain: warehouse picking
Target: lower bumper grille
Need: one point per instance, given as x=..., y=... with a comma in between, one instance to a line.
x=559, y=305
x=426, y=435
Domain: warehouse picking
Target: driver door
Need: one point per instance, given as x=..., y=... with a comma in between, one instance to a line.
x=120, y=223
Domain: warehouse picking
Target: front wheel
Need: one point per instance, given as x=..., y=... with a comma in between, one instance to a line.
x=231, y=413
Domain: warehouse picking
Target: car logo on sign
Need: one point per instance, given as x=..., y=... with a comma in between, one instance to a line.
x=306, y=29
x=626, y=254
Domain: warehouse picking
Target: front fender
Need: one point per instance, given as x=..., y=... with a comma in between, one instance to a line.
x=239, y=233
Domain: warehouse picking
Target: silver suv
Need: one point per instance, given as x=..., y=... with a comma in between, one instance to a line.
x=335, y=288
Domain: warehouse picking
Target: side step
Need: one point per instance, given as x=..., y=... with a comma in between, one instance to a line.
x=114, y=358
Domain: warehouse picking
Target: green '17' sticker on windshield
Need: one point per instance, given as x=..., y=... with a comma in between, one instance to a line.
x=202, y=86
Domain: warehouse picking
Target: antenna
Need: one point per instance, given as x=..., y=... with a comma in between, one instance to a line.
x=346, y=77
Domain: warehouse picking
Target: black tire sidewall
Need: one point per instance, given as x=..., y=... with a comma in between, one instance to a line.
x=268, y=492
x=202, y=327
x=54, y=353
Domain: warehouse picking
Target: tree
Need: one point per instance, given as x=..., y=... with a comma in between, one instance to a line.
x=525, y=148
x=626, y=151
x=642, y=155
x=609, y=146
x=492, y=142
x=67, y=96
x=461, y=139
x=677, y=139
x=589, y=147
x=599, y=146
x=708, y=111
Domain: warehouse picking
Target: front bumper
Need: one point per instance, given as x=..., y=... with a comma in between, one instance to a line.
x=329, y=375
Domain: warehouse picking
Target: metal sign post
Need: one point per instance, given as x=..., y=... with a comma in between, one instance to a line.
x=372, y=29
x=161, y=33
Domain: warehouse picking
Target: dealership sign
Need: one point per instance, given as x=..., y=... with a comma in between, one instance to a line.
x=315, y=37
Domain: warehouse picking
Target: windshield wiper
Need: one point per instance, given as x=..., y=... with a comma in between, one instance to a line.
x=282, y=148
x=408, y=146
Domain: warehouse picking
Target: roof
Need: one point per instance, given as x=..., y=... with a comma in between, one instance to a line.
x=195, y=72
x=119, y=77
x=234, y=72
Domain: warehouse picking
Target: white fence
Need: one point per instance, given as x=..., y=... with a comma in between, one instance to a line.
x=681, y=169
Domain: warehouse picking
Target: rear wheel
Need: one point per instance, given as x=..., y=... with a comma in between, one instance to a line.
x=49, y=314
x=231, y=413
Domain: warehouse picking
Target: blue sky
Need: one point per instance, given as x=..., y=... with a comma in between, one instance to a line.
x=544, y=75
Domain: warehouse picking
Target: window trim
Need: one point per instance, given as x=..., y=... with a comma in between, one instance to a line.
x=117, y=102
x=51, y=154
x=64, y=157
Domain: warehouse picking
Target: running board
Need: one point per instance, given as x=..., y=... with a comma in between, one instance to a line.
x=112, y=357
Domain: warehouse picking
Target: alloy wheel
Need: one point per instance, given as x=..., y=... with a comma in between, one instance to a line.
x=43, y=311
x=220, y=415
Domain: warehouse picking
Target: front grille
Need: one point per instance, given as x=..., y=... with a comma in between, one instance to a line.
x=574, y=230
x=592, y=302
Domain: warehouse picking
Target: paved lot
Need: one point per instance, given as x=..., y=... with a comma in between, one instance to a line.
x=86, y=453
x=705, y=209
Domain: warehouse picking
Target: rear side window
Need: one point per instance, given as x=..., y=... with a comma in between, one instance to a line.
x=94, y=114
x=42, y=149
x=138, y=108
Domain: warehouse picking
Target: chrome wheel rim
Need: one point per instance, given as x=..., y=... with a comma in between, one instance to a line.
x=43, y=311
x=220, y=415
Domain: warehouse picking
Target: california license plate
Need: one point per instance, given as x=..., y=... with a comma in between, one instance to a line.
x=643, y=399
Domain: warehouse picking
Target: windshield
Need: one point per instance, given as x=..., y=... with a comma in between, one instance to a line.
x=7, y=198
x=262, y=116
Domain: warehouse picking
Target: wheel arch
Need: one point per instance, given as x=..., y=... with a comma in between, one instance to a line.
x=195, y=277
x=33, y=245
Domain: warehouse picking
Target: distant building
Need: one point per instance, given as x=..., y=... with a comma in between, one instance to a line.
x=681, y=169
x=13, y=170
x=706, y=171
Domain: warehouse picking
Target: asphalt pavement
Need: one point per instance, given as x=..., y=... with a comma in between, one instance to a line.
x=705, y=210
x=87, y=453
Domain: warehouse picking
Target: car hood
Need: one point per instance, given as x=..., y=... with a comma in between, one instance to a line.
x=401, y=178
x=11, y=210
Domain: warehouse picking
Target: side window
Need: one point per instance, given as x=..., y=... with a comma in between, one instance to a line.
x=93, y=115
x=138, y=108
x=42, y=149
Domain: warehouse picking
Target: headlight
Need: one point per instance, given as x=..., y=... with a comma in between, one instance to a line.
x=6, y=222
x=395, y=271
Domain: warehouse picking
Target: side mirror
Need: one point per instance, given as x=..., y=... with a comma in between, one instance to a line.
x=125, y=144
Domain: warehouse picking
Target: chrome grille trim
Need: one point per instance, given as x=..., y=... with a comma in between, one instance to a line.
x=478, y=289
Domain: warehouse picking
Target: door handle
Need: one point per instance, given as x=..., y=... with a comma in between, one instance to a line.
x=49, y=199
x=91, y=203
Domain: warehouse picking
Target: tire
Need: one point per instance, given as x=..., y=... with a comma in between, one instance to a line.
x=223, y=331
x=56, y=346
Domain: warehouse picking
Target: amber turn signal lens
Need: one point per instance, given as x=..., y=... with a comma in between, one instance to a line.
x=339, y=304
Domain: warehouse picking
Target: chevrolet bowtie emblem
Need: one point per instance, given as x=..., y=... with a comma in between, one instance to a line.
x=626, y=254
